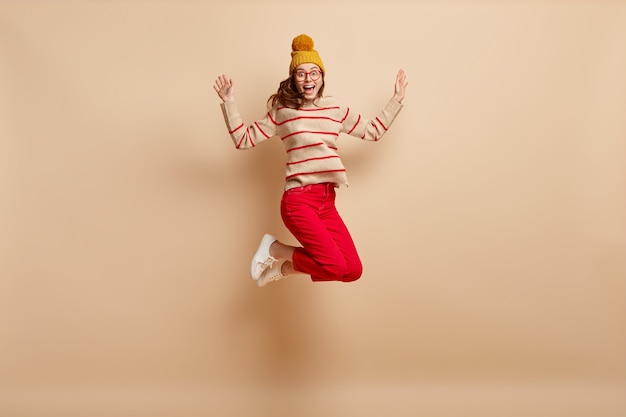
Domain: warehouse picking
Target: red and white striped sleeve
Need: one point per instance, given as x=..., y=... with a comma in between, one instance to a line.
x=356, y=125
x=247, y=136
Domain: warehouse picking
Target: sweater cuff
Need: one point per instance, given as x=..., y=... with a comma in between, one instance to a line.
x=394, y=105
x=230, y=112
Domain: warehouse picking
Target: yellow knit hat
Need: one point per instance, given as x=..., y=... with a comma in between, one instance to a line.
x=302, y=52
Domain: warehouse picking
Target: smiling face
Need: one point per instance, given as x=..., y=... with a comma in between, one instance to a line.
x=308, y=79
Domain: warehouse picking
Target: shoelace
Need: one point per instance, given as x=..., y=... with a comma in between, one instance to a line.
x=276, y=277
x=271, y=276
x=268, y=263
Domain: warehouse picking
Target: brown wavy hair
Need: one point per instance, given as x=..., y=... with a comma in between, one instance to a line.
x=289, y=96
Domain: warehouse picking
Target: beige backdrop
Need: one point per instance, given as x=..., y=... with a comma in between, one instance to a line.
x=491, y=219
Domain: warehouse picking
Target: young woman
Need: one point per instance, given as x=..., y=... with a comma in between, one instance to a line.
x=308, y=124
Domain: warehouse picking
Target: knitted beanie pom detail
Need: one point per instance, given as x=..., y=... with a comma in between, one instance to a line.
x=302, y=52
x=302, y=43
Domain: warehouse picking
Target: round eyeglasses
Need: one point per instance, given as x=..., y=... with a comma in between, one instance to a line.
x=300, y=75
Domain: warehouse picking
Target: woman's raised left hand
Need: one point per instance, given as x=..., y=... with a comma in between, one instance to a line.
x=400, y=86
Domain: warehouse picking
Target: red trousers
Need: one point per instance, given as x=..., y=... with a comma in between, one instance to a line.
x=328, y=252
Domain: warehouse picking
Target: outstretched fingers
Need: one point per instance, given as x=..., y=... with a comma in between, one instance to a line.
x=401, y=84
x=224, y=87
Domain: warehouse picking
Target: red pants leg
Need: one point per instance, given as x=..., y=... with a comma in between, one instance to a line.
x=328, y=252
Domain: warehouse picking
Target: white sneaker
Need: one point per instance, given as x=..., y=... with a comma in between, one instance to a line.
x=262, y=259
x=273, y=273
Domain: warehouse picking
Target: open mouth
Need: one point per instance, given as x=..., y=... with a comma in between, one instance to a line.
x=308, y=88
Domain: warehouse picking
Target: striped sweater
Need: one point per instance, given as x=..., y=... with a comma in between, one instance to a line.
x=310, y=136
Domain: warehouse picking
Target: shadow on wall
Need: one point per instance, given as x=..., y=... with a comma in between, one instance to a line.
x=270, y=327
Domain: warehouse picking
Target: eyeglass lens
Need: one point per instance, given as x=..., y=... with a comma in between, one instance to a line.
x=314, y=75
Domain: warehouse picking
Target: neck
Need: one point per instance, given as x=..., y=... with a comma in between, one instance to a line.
x=306, y=102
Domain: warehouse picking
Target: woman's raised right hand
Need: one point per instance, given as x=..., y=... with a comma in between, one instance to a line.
x=224, y=88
